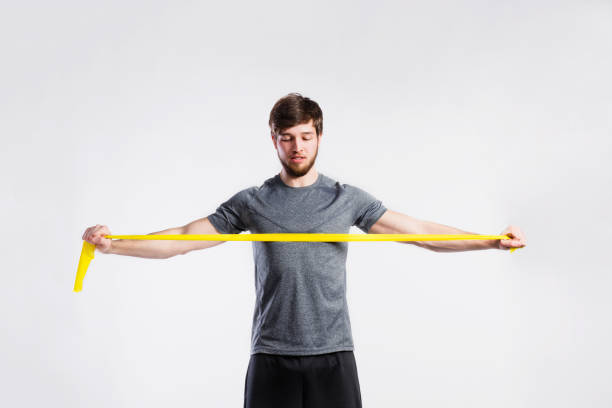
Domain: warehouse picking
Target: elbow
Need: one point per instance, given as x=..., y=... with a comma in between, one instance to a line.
x=172, y=254
x=182, y=252
x=425, y=246
x=419, y=244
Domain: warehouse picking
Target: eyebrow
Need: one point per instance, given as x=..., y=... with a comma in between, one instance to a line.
x=304, y=133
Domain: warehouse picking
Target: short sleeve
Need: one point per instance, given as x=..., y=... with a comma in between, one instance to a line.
x=367, y=208
x=230, y=216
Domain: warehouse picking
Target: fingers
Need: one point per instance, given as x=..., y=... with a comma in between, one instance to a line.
x=87, y=234
x=517, y=238
x=95, y=234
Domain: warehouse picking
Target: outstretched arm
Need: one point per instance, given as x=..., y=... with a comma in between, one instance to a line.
x=157, y=249
x=392, y=222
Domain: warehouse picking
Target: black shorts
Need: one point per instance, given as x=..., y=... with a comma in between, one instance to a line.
x=321, y=381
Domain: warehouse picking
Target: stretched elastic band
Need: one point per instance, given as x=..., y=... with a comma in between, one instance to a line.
x=87, y=252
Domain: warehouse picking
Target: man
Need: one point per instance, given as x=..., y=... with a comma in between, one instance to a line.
x=301, y=341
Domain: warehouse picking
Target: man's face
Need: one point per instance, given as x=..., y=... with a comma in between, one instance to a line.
x=297, y=148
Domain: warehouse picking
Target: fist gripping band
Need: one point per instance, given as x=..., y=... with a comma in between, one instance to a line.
x=87, y=253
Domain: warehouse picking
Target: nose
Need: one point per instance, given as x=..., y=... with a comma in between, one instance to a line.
x=298, y=146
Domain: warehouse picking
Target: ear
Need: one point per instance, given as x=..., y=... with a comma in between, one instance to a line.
x=273, y=139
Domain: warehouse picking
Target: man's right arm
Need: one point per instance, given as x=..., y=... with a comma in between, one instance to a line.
x=156, y=249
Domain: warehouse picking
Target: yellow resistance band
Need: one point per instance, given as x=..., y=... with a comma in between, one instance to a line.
x=87, y=253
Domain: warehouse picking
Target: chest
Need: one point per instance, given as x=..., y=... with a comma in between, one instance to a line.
x=330, y=215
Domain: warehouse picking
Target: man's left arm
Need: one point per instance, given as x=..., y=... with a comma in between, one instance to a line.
x=392, y=222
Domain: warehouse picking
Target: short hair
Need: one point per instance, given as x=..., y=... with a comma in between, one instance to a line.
x=295, y=109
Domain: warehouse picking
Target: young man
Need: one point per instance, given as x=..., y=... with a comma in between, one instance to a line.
x=301, y=341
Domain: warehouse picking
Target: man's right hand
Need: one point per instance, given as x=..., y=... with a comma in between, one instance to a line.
x=95, y=235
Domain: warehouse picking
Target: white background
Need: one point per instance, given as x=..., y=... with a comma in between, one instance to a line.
x=147, y=115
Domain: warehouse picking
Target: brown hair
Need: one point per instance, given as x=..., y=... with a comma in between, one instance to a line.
x=295, y=109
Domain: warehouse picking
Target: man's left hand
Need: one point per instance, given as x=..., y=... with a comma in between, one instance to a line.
x=517, y=238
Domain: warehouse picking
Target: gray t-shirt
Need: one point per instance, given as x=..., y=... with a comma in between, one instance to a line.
x=300, y=306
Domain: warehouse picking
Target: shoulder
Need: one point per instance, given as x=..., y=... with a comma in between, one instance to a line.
x=246, y=194
x=327, y=181
x=352, y=190
x=356, y=195
x=359, y=197
x=249, y=193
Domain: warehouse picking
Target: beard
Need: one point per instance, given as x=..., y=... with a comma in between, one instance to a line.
x=298, y=169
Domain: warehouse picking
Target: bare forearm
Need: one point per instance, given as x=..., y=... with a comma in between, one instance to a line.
x=156, y=249
x=429, y=227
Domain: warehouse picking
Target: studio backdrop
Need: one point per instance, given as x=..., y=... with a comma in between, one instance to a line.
x=145, y=116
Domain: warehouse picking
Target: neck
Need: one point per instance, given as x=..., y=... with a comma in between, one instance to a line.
x=302, y=181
